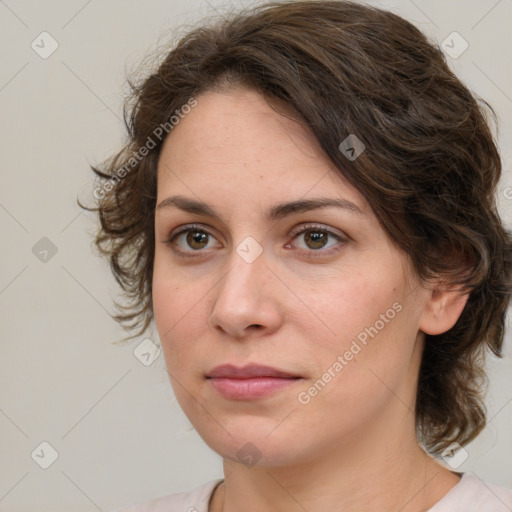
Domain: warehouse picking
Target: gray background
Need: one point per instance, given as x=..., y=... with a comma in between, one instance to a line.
x=119, y=434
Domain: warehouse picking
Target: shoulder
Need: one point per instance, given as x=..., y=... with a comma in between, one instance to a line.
x=194, y=501
x=472, y=494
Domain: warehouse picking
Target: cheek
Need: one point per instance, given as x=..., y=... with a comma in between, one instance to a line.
x=376, y=326
x=174, y=294
x=180, y=324
x=371, y=323
x=348, y=304
x=166, y=306
x=177, y=309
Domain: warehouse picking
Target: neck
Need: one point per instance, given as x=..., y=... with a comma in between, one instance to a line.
x=386, y=475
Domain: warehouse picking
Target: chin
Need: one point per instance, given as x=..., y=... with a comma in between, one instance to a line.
x=247, y=443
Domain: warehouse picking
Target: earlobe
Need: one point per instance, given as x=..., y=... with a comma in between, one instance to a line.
x=442, y=309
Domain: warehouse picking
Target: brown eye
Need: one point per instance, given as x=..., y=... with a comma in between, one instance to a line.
x=316, y=239
x=190, y=239
x=197, y=239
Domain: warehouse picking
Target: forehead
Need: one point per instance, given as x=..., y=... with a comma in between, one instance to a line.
x=236, y=145
x=239, y=123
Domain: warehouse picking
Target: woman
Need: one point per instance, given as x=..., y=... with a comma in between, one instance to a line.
x=305, y=207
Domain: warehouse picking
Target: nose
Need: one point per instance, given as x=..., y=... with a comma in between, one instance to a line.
x=247, y=301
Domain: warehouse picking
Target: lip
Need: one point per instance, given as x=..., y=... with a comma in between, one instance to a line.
x=248, y=371
x=249, y=382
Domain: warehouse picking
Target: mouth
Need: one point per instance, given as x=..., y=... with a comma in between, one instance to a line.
x=250, y=382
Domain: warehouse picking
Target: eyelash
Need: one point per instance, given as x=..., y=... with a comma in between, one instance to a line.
x=312, y=253
x=304, y=229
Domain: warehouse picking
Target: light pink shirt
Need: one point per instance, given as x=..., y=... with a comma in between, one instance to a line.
x=470, y=495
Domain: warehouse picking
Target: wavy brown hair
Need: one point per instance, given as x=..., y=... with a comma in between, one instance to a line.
x=429, y=170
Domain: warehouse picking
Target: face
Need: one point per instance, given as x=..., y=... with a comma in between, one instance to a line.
x=265, y=255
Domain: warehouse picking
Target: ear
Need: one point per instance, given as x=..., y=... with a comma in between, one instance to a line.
x=443, y=308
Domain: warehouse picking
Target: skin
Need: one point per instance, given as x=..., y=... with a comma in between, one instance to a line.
x=296, y=307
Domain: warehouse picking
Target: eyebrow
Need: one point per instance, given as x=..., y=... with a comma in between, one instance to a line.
x=275, y=213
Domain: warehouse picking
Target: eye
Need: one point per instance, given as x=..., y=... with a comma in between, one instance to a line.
x=311, y=239
x=191, y=239
x=319, y=239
